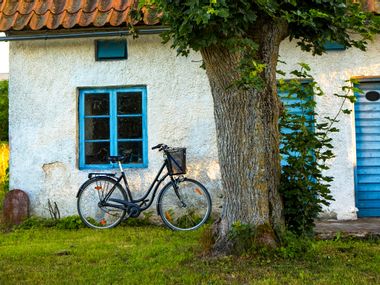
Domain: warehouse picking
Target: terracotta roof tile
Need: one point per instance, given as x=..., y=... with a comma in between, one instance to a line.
x=55, y=14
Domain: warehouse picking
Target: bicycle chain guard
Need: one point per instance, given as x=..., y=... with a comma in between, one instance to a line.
x=133, y=211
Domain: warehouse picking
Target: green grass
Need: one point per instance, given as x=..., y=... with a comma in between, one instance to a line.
x=155, y=255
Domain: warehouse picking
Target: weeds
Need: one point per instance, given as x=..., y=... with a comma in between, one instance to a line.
x=66, y=223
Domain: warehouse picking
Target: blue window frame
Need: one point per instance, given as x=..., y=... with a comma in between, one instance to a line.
x=333, y=46
x=292, y=104
x=111, y=50
x=112, y=121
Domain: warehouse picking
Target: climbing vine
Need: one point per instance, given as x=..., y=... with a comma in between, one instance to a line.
x=306, y=147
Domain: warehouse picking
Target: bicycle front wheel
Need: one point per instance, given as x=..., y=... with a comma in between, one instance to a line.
x=89, y=208
x=185, y=208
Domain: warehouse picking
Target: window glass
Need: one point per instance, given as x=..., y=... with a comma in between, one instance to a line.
x=129, y=103
x=97, y=104
x=134, y=149
x=97, y=128
x=129, y=127
x=111, y=49
x=97, y=152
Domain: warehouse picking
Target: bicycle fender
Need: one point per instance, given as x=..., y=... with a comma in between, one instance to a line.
x=90, y=180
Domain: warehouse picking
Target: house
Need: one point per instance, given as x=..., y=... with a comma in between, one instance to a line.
x=81, y=88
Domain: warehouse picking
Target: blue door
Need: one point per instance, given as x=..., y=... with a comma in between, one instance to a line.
x=367, y=124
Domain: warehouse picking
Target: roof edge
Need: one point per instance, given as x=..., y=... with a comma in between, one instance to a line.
x=79, y=33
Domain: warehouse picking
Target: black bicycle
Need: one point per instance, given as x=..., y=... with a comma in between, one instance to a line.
x=183, y=203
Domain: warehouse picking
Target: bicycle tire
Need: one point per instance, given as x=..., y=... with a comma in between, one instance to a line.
x=197, y=207
x=91, y=192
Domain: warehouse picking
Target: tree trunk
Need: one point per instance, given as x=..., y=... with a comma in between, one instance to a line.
x=248, y=139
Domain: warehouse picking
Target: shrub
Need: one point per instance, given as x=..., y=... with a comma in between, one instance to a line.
x=4, y=110
x=306, y=146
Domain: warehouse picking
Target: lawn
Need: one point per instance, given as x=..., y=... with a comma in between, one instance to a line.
x=155, y=255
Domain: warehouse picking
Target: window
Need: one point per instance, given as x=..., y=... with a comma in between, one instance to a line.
x=111, y=50
x=112, y=122
x=293, y=104
x=333, y=46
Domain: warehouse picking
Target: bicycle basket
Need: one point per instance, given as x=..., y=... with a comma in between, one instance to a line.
x=176, y=160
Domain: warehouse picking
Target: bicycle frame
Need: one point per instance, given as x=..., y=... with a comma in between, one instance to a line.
x=143, y=200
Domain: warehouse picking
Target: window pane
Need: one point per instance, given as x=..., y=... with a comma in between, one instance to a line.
x=135, y=148
x=97, y=152
x=97, y=128
x=129, y=103
x=129, y=128
x=111, y=49
x=96, y=104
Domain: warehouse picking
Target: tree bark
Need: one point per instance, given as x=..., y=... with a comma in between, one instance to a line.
x=247, y=138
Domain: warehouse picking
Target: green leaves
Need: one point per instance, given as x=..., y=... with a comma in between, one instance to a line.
x=197, y=24
x=315, y=22
x=4, y=110
x=306, y=146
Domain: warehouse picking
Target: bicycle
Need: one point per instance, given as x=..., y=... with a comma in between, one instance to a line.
x=183, y=203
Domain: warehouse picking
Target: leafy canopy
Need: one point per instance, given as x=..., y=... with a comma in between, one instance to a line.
x=196, y=24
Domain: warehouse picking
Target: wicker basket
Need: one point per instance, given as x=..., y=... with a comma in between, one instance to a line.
x=176, y=160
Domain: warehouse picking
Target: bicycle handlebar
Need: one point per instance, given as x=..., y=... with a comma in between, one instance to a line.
x=161, y=146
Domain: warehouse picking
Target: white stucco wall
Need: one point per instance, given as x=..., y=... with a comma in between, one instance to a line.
x=44, y=79
x=45, y=75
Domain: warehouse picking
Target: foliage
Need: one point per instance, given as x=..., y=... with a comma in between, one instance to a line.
x=147, y=255
x=4, y=110
x=140, y=221
x=235, y=25
x=306, y=147
x=4, y=172
x=294, y=246
x=198, y=24
x=66, y=223
x=69, y=223
x=242, y=237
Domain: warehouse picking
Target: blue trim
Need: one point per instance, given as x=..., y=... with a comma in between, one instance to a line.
x=366, y=168
x=131, y=140
x=356, y=158
x=81, y=131
x=113, y=123
x=329, y=45
x=113, y=126
x=104, y=140
x=97, y=117
x=131, y=115
x=145, y=128
x=291, y=103
x=111, y=50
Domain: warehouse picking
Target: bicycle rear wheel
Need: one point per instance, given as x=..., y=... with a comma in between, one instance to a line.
x=91, y=212
x=185, y=209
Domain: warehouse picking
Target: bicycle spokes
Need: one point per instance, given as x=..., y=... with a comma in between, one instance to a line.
x=185, y=205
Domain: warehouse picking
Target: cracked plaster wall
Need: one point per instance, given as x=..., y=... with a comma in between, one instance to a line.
x=44, y=118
